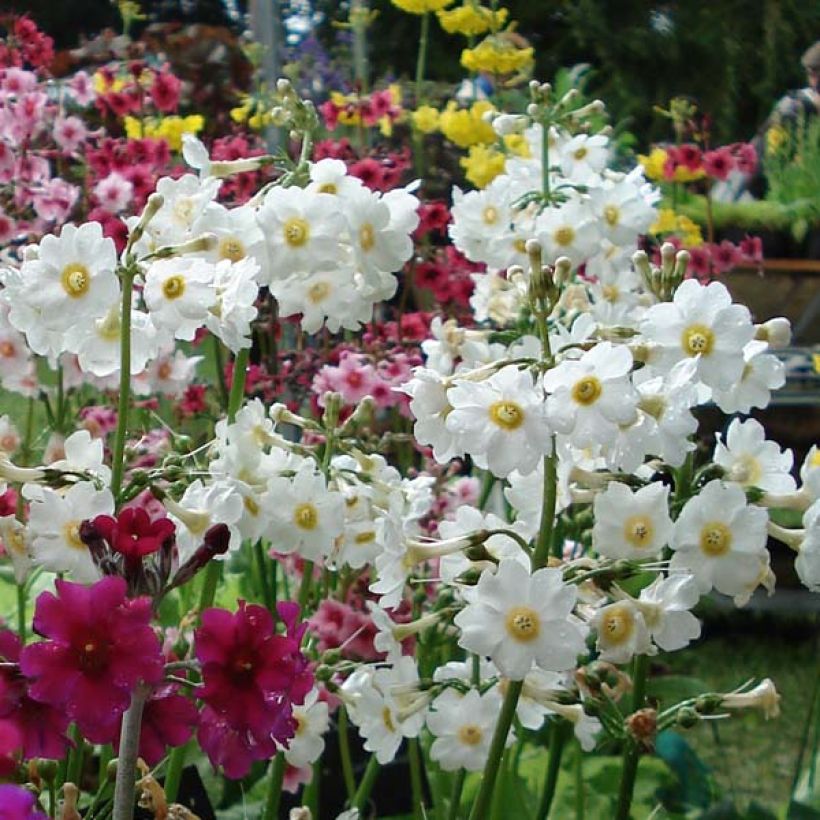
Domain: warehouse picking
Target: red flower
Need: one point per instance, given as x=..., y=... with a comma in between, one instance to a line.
x=193, y=400
x=133, y=534
x=250, y=678
x=725, y=256
x=690, y=156
x=746, y=157
x=718, y=164
x=100, y=646
x=165, y=91
x=369, y=171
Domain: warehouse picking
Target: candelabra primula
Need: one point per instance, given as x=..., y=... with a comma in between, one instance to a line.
x=444, y=606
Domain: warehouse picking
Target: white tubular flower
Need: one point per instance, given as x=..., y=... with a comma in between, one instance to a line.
x=302, y=229
x=585, y=727
x=463, y=729
x=312, y=721
x=751, y=461
x=84, y=454
x=721, y=540
x=630, y=524
x=764, y=696
x=701, y=323
x=665, y=606
x=622, y=632
x=591, y=396
x=500, y=421
x=306, y=516
x=16, y=541
x=762, y=372
x=179, y=294
x=807, y=563
x=54, y=527
x=518, y=619
x=236, y=288
x=430, y=406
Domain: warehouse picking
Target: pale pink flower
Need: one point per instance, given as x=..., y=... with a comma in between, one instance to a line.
x=114, y=193
x=69, y=133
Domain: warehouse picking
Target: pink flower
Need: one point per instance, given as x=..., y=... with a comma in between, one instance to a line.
x=296, y=776
x=99, y=420
x=69, y=133
x=114, y=193
x=17, y=803
x=81, y=88
x=100, y=646
x=250, y=678
x=54, y=200
x=165, y=91
x=18, y=81
x=725, y=256
x=700, y=262
x=751, y=249
x=719, y=163
x=690, y=156
x=746, y=157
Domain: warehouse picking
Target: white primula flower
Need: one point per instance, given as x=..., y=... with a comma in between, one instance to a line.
x=179, y=294
x=430, y=407
x=570, y=230
x=701, y=323
x=583, y=158
x=721, y=540
x=482, y=220
x=665, y=606
x=623, y=212
x=184, y=201
x=307, y=517
x=329, y=176
x=16, y=541
x=9, y=437
x=451, y=343
x=518, y=619
x=591, y=396
x=751, y=461
x=807, y=563
x=501, y=421
x=169, y=374
x=463, y=729
x=622, y=632
x=83, y=454
x=762, y=372
x=376, y=245
x=630, y=524
x=302, y=229
x=312, y=721
x=236, y=289
x=54, y=527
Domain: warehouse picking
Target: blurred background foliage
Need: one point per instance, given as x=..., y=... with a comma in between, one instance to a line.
x=734, y=57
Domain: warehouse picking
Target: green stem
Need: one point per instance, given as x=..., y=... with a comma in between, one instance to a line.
x=359, y=17
x=240, y=371
x=421, y=60
x=310, y=796
x=118, y=464
x=173, y=775
x=580, y=797
x=455, y=796
x=304, y=587
x=219, y=366
x=274, y=793
x=632, y=750
x=366, y=785
x=344, y=754
x=75, y=758
x=262, y=570
x=21, y=612
x=487, y=485
x=419, y=811
x=545, y=159
x=557, y=741
x=213, y=572
x=125, y=788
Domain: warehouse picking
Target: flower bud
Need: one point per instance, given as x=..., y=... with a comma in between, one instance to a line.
x=643, y=726
x=687, y=717
x=777, y=332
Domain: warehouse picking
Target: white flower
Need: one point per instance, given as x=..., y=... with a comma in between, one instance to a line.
x=569, y=230
x=631, y=524
x=622, y=632
x=810, y=473
x=430, y=406
x=701, y=322
x=312, y=721
x=451, y=343
x=665, y=606
x=622, y=210
x=518, y=619
x=329, y=176
x=54, y=527
x=583, y=157
x=9, y=436
x=16, y=541
x=307, y=517
x=807, y=563
x=302, y=229
x=463, y=729
x=751, y=461
x=236, y=289
x=184, y=201
x=762, y=372
x=591, y=396
x=84, y=454
x=169, y=374
x=500, y=421
x=376, y=245
x=764, y=696
x=721, y=540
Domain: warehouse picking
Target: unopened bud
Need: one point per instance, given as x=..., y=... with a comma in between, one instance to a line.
x=563, y=270
x=284, y=87
x=643, y=726
x=777, y=332
x=687, y=717
x=533, y=110
x=668, y=251
x=682, y=258
x=47, y=769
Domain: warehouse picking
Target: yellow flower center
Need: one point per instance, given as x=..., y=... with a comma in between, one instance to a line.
x=16, y=542
x=364, y=538
x=296, y=232
x=318, y=292
x=746, y=470
x=7, y=350
x=715, y=539
x=367, y=237
x=490, y=215
x=617, y=624
x=587, y=390
x=523, y=623
x=184, y=209
x=173, y=287
x=506, y=414
x=250, y=505
x=305, y=516
x=654, y=406
x=580, y=153
x=698, y=340
x=520, y=245
x=300, y=724
x=75, y=280
x=564, y=236
x=612, y=215
x=328, y=188
x=71, y=533
x=387, y=719
x=638, y=531
x=610, y=293
x=470, y=735
x=231, y=248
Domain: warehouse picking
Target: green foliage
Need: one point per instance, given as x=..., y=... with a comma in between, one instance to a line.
x=755, y=216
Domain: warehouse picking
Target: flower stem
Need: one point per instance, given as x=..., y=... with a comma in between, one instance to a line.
x=268, y=595
x=173, y=775
x=274, y=793
x=419, y=812
x=421, y=60
x=125, y=786
x=21, y=613
x=344, y=754
x=118, y=465
x=366, y=785
x=557, y=740
x=455, y=796
x=240, y=370
x=632, y=750
x=219, y=367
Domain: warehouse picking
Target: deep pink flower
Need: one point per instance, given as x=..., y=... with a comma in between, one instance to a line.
x=719, y=163
x=17, y=803
x=751, y=248
x=725, y=256
x=133, y=533
x=250, y=678
x=690, y=156
x=369, y=171
x=165, y=91
x=746, y=157
x=100, y=646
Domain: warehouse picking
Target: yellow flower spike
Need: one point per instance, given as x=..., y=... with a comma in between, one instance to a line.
x=471, y=20
x=482, y=165
x=426, y=119
x=420, y=6
x=496, y=56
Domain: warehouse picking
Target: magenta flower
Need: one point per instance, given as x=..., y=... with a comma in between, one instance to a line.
x=100, y=646
x=250, y=678
x=133, y=533
x=16, y=803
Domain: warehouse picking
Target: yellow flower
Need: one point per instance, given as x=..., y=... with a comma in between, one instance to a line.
x=666, y=222
x=395, y=93
x=776, y=137
x=517, y=144
x=241, y=112
x=466, y=127
x=692, y=236
x=133, y=128
x=425, y=119
x=102, y=85
x=653, y=163
x=472, y=20
x=482, y=165
x=386, y=126
x=420, y=6
x=496, y=56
